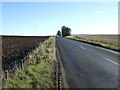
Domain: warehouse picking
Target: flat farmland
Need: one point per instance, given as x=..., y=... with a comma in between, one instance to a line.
x=15, y=48
x=107, y=39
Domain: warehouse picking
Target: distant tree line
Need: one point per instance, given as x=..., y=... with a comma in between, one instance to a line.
x=65, y=31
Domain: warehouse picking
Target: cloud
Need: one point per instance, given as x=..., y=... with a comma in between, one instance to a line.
x=99, y=12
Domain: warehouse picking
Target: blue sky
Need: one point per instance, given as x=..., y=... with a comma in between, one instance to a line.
x=46, y=18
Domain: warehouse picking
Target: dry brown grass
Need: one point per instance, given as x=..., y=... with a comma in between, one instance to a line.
x=40, y=72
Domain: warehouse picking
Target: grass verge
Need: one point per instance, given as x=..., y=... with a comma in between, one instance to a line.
x=40, y=72
x=97, y=43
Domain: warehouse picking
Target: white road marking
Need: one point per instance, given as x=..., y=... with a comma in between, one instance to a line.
x=112, y=61
x=82, y=47
x=102, y=48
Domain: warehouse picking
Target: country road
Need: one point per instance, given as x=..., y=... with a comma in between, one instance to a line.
x=88, y=66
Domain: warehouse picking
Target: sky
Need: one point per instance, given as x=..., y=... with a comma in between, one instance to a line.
x=46, y=18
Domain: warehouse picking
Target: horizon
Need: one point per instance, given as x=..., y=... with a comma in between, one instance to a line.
x=54, y=35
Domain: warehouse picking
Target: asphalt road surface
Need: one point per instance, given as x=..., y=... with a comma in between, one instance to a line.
x=88, y=66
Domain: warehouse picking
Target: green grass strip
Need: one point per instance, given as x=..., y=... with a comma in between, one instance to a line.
x=34, y=76
x=97, y=43
x=37, y=74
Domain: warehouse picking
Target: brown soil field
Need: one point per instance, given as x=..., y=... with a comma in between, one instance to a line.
x=106, y=39
x=15, y=48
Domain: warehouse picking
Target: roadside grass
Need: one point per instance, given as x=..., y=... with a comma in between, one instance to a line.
x=39, y=74
x=95, y=42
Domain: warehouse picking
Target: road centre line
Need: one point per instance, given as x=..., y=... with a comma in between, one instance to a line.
x=104, y=57
x=112, y=62
x=101, y=48
x=82, y=47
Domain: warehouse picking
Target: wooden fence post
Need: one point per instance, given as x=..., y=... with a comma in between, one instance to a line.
x=22, y=64
x=15, y=66
x=6, y=74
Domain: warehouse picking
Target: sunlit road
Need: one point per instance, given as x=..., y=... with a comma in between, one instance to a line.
x=88, y=66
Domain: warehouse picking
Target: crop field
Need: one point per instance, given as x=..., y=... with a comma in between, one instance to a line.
x=110, y=41
x=15, y=48
x=107, y=39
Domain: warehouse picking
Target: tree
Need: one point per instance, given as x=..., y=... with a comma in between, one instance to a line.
x=59, y=33
x=66, y=31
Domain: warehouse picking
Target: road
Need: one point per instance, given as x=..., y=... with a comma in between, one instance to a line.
x=88, y=66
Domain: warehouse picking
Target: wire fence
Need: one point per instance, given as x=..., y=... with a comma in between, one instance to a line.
x=14, y=67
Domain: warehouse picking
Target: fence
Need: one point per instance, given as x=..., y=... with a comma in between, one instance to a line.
x=20, y=65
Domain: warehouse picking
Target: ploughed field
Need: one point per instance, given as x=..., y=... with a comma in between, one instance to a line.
x=15, y=48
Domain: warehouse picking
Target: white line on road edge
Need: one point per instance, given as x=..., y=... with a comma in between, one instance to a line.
x=82, y=47
x=102, y=48
x=112, y=62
